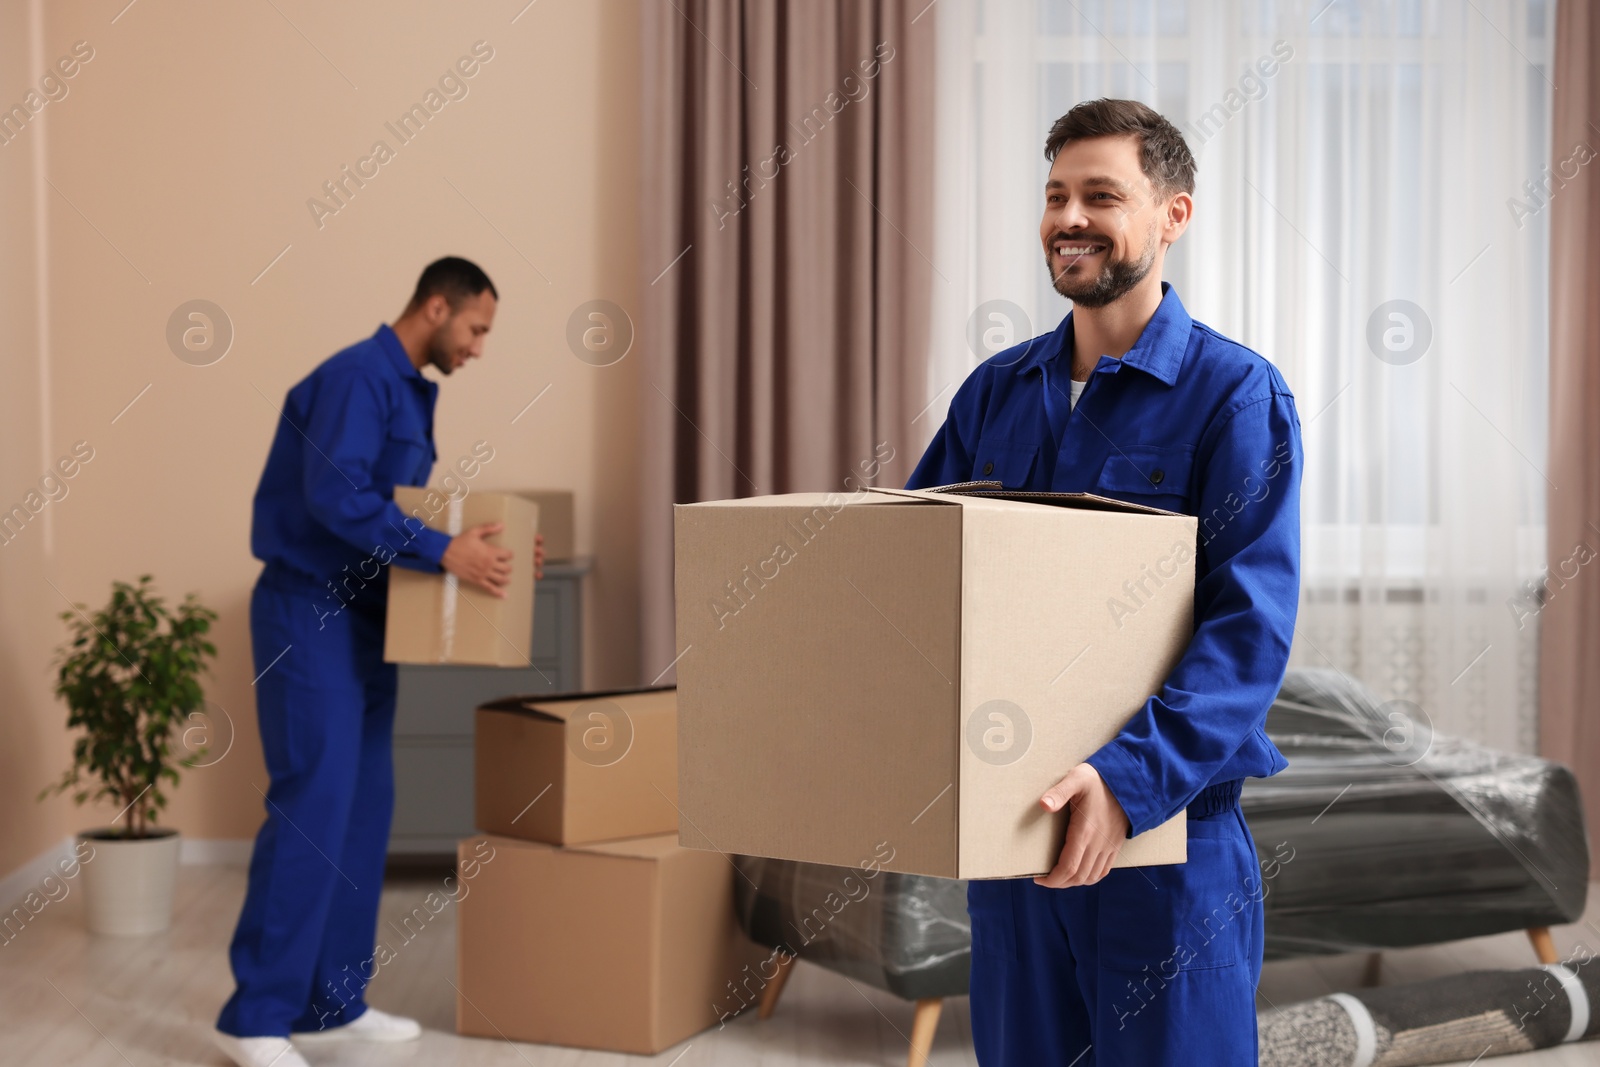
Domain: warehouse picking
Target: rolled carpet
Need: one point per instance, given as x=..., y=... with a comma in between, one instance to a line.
x=1460, y=1017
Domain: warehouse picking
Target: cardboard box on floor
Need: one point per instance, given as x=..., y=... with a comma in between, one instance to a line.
x=916, y=669
x=572, y=770
x=555, y=521
x=433, y=618
x=628, y=946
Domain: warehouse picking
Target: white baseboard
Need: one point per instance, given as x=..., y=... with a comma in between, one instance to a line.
x=27, y=878
x=215, y=852
x=192, y=852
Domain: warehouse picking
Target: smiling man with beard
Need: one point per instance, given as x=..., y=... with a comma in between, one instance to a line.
x=1132, y=399
x=356, y=427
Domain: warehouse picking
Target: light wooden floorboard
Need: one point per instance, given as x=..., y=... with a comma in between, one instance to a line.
x=68, y=998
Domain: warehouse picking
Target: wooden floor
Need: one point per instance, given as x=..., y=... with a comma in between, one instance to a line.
x=67, y=998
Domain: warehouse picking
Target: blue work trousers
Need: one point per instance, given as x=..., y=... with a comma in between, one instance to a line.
x=1149, y=967
x=303, y=950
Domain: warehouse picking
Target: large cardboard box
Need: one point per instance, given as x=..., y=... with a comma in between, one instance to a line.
x=555, y=521
x=915, y=669
x=571, y=770
x=435, y=618
x=629, y=946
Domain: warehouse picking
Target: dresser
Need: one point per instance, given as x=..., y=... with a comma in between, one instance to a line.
x=434, y=716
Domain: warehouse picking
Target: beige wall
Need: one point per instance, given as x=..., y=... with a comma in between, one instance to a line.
x=182, y=160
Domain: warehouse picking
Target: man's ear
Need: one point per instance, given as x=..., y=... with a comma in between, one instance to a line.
x=438, y=309
x=1176, y=215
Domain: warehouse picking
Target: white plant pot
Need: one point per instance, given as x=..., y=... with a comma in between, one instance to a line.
x=128, y=885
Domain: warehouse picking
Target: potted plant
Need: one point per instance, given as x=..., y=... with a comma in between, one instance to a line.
x=130, y=673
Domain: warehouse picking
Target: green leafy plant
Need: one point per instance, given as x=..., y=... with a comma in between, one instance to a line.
x=130, y=673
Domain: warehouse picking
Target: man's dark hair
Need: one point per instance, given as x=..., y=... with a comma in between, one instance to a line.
x=455, y=279
x=1163, y=154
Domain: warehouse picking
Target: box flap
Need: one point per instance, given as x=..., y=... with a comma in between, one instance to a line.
x=499, y=841
x=645, y=848
x=562, y=708
x=967, y=492
x=808, y=500
x=1084, y=501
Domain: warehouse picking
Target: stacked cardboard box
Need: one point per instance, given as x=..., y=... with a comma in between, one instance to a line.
x=587, y=924
x=572, y=771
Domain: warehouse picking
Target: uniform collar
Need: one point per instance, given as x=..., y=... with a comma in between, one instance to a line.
x=398, y=359
x=1159, y=351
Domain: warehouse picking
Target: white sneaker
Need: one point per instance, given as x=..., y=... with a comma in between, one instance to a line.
x=259, y=1051
x=370, y=1025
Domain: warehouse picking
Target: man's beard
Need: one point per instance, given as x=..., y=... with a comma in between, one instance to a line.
x=1115, y=279
x=438, y=354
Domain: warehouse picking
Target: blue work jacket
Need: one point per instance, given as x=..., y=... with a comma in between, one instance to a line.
x=352, y=430
x=1192, y=422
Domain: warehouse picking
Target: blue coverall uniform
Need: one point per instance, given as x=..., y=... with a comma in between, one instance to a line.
x=1156, y=965
x=325, y=524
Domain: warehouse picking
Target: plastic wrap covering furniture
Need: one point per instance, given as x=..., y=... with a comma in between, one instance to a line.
x=1396, y=835
x=908, y=934
x=1454, y=1019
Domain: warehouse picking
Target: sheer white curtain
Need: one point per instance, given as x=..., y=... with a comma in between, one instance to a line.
x=1364, y=219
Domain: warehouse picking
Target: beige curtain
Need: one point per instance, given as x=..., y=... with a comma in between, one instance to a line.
x=786, y=227
x=1569, y=624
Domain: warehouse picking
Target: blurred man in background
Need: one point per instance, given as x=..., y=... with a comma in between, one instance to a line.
x=326, y=526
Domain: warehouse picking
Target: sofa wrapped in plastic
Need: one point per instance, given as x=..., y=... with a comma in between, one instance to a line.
x=1397, y=835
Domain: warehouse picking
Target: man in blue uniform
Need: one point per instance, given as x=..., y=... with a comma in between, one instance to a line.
x=1131, y=398
x=325, y=523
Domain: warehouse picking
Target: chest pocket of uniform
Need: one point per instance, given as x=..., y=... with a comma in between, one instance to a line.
x=1145, y=474
x=407, y=455
x=1003, y=462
